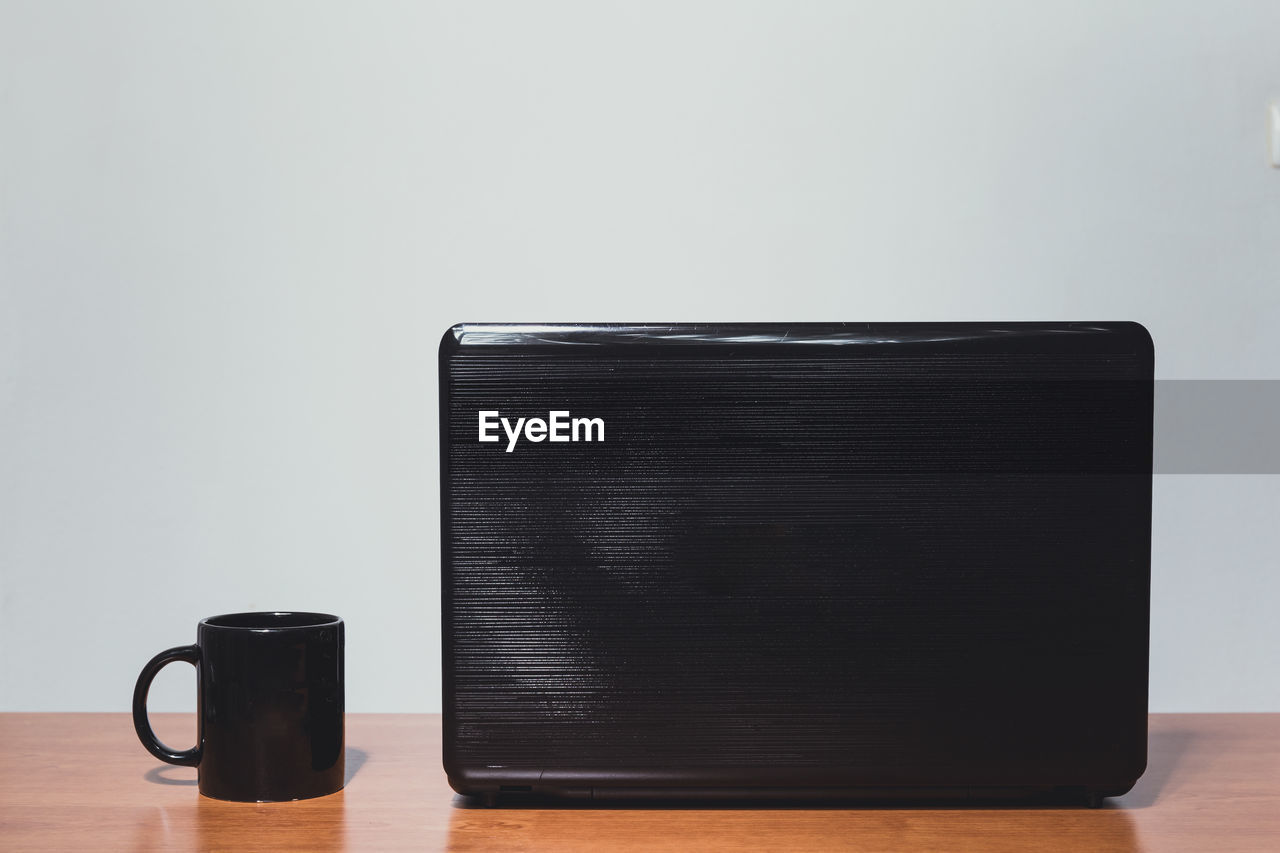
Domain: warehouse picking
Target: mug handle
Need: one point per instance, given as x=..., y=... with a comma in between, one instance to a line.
x=186, y=757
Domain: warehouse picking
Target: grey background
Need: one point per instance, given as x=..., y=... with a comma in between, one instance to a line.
x=232, y=233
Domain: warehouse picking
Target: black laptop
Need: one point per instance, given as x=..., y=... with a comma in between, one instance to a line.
x=792, y=560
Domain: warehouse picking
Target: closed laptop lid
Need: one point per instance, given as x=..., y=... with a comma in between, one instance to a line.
x=795, y=555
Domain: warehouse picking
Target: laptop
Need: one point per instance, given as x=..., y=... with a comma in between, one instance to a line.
x=795, y=560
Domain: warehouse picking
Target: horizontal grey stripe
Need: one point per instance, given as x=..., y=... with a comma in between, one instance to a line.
x=1217, y=426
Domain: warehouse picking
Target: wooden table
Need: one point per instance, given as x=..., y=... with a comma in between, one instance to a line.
x=82, y=782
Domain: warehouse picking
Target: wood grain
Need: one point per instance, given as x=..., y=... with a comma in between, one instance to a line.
x=82, y=782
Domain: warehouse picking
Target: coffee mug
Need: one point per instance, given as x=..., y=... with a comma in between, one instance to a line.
x=270, y=718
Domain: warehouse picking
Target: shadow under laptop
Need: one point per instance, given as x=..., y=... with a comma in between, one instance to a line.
x=1059, y=818
x=1165, y=750
x=1067, y=799
x=759, y=825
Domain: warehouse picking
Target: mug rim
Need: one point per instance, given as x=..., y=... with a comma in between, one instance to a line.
x=270, y=621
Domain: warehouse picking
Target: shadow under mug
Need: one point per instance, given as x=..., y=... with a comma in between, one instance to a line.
x=270, y=718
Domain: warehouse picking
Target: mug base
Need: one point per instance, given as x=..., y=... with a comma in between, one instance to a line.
x=281, y=800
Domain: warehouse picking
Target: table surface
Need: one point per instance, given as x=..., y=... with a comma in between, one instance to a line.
x=82, y=781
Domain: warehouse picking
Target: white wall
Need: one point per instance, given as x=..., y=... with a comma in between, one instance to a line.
x=232, y=233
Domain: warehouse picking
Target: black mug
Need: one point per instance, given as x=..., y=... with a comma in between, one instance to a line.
x=270, y=706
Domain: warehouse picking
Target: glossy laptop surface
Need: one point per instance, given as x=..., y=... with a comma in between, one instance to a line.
x=795, y=560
